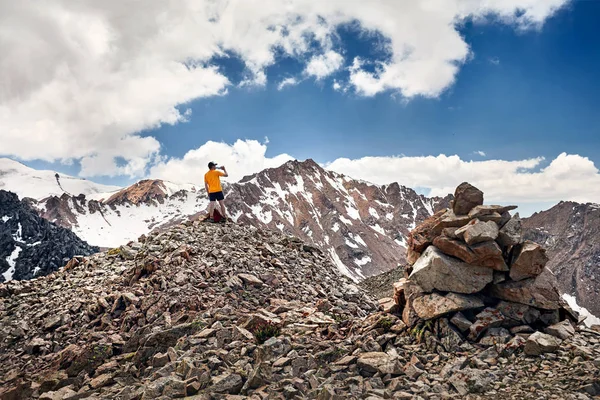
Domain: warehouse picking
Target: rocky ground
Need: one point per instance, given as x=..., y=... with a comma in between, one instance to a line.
x=382, y=285
x=230, y=312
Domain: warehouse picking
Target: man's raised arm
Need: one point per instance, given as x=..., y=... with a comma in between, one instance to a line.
x=225, y=174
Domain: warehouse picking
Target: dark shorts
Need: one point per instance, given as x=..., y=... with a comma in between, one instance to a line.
x=216, y=196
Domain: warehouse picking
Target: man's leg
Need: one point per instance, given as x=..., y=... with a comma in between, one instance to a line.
x=223, y=211
x=211, y=209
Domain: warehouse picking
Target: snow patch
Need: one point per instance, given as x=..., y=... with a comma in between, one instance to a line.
x=401, y=242
x=352, y=213
x=362, y=261
x=357, y=239
x=261, y=215
x=350, y=244
x=373, y=212
x=377, y=228
x=345, y=220
x=6, y=218
x=590, y=319
x=340, y=265
x=389, y=216
x=335, y=227
x=12, y=262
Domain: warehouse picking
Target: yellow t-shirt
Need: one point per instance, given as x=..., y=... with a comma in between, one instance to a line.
x=213, y=180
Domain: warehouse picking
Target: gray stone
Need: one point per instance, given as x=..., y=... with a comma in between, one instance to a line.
x=528, y=261
x=227, y=383
x=461, y=322
x=562, y=330
x=540, y=343
x=479, y=232
x=433, y=305
x=379, y=362
x=471, y=380
x=511, y=233
x=518, y=312
x=437, y=271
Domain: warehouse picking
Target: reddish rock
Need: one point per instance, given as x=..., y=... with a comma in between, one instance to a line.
x=518, y=312
x=540, y=292
x=489, y=254
x=488, y=318
x=466, y=197
x=486, y=254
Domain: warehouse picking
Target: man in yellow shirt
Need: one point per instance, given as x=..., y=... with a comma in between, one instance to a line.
x=212, y=183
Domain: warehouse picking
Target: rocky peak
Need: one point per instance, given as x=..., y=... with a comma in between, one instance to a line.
x=31, y=246
x=571, y=233
x=230, y=311
x=147, y=191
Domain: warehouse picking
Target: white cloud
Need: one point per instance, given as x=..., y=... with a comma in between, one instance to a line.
x=242, y=158
x=567, y=177
x=81, y=81
x=479, y=153
x=494, y=60
x=324, y=65
x=287, y=82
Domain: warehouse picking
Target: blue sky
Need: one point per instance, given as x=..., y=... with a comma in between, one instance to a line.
x=522, y=93
x=541, y=99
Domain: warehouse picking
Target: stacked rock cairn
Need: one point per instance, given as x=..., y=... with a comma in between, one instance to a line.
x=473, y=277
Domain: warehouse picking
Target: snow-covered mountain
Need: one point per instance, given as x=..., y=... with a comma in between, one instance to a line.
x=363, y=227
x=38, y=184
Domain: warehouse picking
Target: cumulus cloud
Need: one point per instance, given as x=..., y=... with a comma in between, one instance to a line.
x=81, y=81
x=287, y=82
x=324, y=65
x=567, y=177
x=242, y=158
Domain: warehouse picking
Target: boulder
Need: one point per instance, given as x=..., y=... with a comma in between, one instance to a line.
x=433, y=305
x=461, y=322
x=528, y=261
x=227, y=383
x=518, y=312
x=488, y=318
x=388, y=305
x=466, y=197
x=486, y=210
x=436, y=271
x=511, y=233
x=540, y=343
x=383, y=363
x=540, y=292
x=486, y=254
x=470, y=380
x=423, y=235
x=562, y=330
x=489, y=254
x=481, y=232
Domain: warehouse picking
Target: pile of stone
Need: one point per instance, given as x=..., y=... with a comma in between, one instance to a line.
x=174, y=314
x=477, y=279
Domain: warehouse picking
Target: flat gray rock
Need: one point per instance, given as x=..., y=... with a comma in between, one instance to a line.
x=436, y=271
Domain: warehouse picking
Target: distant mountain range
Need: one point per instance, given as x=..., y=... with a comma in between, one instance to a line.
x=361, y=226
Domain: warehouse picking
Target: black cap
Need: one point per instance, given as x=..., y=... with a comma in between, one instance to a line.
x=212, y=164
